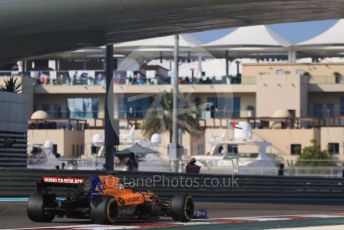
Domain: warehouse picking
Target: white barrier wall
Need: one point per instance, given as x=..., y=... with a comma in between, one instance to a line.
x=13, y=130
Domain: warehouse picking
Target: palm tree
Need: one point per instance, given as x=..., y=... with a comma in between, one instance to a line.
x=11, y=85
x=159, y=117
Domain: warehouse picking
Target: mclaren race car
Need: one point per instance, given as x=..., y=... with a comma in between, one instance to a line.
x=104, y=200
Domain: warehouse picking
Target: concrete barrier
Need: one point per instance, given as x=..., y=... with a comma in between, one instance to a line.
x=20, y=183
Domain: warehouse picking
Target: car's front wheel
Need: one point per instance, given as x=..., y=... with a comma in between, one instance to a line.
x=182, y=208
x=104, y=210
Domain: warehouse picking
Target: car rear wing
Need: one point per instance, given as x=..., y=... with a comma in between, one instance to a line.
x=65, y=182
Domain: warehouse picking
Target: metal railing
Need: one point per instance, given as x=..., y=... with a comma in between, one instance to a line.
x=332, y=172
x=97, y=77
x=325, y=80
x=213, y=167
x=61, y=121
x=20, y=183
x=68, y=124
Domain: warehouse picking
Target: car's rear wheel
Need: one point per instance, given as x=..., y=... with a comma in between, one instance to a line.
x=182, y=208
x=35, y=208
x=104, y=210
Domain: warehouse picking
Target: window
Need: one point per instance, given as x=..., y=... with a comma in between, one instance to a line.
x=74, y=151
x=45, y=107
x=233, y=149
x=295, y=149
x=200, y=150
x=280, y=72
x=342, y=105
x=236, y=106
x=57, y=111
x=134, y=107
x=292, y=112
x=82, y=150
x=318, y=110
x=330, y=110
x=338, y=77
x=81, y=108
x=223, y=107
x=333, y=148
x=300, y=72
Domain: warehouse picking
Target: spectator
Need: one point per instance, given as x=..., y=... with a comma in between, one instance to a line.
x=132, y=163
x=139, y=79
x=213, y=80
x=131, y=112
x=63, y=165
x=61, y=79
x=75, y=78
x=100, y=79
x=43, y=78
x=187, y=80
x=207, y=81
x=191, y=167
x=130, y=80
x=221, y=151
x=69, y=80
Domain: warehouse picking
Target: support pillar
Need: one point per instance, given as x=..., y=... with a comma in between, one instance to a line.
x=175, y=92
x=111, y=135
x=227, y=64
x=291, y=55
x=175, y=136
x=200, y=69
x=238, y=67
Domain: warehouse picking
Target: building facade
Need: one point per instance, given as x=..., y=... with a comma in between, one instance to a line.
x=288, y=105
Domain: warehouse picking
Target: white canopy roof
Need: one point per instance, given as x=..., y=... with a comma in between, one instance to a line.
x=162, y=47
x=252, y=36
x=334, y=36
x=167, y=42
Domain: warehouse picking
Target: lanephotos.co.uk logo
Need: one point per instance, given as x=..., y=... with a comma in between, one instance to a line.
x=182, y=182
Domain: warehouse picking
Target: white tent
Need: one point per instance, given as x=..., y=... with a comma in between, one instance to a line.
x=250, y=42
x=334, y=36
x=163, y=48
x=158, y=44
x=327, y=44
x=250, y=36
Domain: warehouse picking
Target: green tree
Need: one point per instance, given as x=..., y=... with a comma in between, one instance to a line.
x=11, y=85
x=313, y=156
x=159, y=117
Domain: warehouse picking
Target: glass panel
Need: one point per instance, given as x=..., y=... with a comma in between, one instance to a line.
x=318, y=110
x=295, y=149
x=330, y=109
x=333, y=148
x=134, y=108
x=342, y=105
x=83, y=108
x=224, y=107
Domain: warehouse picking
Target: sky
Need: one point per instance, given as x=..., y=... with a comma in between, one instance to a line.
x=294, y=32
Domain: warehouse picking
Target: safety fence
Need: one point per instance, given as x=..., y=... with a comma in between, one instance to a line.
x=20, y=183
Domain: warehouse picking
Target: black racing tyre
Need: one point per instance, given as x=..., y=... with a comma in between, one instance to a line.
x=156, y=209
x=104, y=210
x=182, y=208
x=35, y=208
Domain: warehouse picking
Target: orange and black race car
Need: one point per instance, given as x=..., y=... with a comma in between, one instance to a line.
x=104, y=200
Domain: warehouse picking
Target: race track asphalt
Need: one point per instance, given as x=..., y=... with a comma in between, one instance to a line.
x=13, y=214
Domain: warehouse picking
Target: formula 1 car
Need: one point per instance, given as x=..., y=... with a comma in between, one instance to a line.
x=104, y=200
